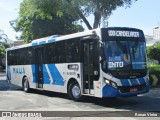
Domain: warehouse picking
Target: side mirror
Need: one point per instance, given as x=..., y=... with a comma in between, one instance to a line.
x=101, y=51
x=102, y=54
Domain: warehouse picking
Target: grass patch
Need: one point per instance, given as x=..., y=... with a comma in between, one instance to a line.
x=154, y=69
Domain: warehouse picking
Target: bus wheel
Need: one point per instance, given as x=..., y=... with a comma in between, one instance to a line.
x=26, y=85
x=75, y=91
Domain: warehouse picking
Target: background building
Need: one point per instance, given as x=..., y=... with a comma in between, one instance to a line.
x=156, y=33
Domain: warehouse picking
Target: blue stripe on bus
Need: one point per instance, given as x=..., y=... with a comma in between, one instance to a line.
x=141, y=80
x=51, y=40
x=34, y=73
x=42, y=42
x=55, y=74
x=8, y=73
x=124, y=82
x=46, y=78
x=57, y=77
x=109, y=91
x=134, y=82
x=34, y=44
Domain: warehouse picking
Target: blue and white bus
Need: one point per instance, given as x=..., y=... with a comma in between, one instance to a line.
x=103, y=62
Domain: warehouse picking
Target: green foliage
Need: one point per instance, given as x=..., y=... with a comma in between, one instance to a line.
x=153, y=52
x=3, y=36
x=3, y=45
x=2, y=52
x=99, y=8
x=154, y=69
x=83, y=8
x=6, y=45
x=39, y=18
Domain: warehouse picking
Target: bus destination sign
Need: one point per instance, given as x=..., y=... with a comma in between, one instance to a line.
x=122, y=33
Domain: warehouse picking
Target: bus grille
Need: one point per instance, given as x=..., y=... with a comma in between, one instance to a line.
x=126, y=89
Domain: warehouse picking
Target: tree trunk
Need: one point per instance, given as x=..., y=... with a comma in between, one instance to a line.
x=97, y=19
x=84, y=19
x=81, y=16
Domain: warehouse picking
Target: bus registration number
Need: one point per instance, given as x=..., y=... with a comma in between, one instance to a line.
x=133, y=89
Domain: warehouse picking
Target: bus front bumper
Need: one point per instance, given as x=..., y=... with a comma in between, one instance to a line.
x=109, y=91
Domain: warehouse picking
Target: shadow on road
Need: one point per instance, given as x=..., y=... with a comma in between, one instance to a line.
x=146, y=102
x=139, y=103
x=5, y=86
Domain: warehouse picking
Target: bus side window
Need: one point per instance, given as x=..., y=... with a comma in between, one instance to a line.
x=20, y=60
x=29, y=53
x=14, y=58
x=50, y=53
x=72, y=48
x=25, y=56
x=9, y=58
x=96, y=59
x=60, y=52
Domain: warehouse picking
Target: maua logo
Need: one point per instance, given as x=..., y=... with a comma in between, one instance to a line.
x=19, y=70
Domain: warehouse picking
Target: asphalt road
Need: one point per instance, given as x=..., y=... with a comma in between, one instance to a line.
x=12, y=98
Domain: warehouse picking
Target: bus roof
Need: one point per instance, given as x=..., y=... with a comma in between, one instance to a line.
x=55, y=38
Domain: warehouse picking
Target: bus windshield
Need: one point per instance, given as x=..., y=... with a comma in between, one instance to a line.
x=125, y=55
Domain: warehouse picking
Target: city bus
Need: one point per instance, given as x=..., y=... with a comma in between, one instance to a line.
x=103, y=62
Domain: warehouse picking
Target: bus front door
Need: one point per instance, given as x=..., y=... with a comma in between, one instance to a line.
x=39, y=66
x=87, y=60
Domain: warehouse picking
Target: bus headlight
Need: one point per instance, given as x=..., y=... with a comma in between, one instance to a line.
x=111, y=83
x=107, y=81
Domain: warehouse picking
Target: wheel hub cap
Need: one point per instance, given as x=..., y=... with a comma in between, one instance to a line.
x=76, y=91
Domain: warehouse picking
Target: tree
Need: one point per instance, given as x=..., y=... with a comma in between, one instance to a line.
x=153, y=52
x=3, y=36
x=36, y=20
x=63, y=15
x=3, y=46
x=101, y=9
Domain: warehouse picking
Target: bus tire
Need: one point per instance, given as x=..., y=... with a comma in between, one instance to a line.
x=74, y=91
x=26, y=85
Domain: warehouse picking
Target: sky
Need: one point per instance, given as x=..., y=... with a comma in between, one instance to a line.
x=143, y=14
x=8, y=12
